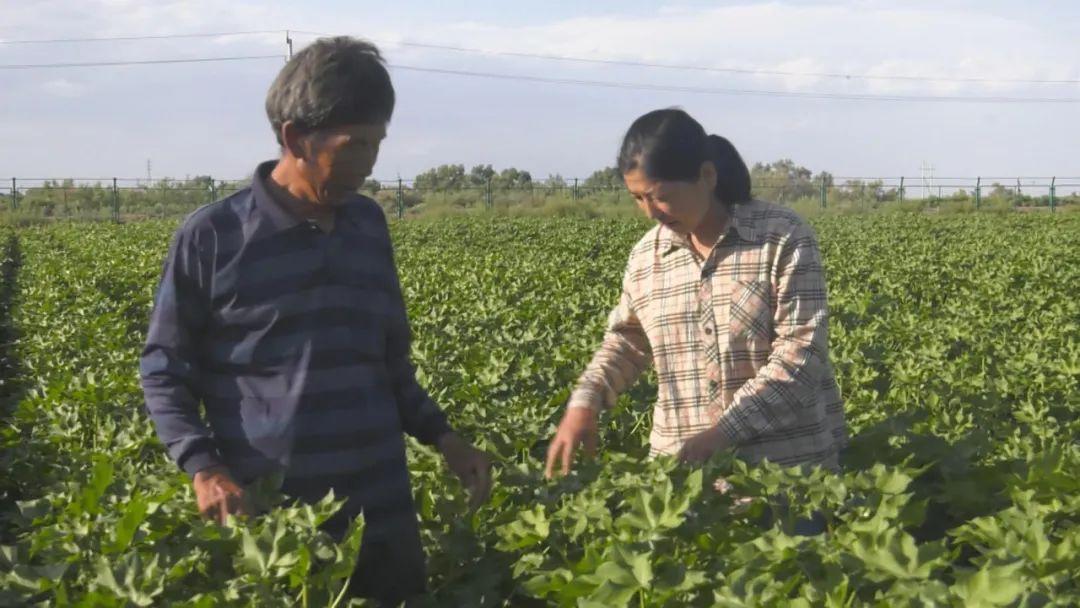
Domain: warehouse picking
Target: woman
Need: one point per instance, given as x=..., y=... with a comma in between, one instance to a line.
x=726, y=297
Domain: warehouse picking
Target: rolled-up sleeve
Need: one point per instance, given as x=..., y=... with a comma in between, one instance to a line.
x=793, y=373
x=168, y=367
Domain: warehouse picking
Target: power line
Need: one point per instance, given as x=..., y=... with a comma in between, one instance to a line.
x=700, y=68
x=728, y=91
x=583, y=82
x=570, y=58
x=98, y=64
x=745, y=71
x=146, y=37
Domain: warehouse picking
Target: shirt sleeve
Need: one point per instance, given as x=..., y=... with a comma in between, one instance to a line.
x=168, y=367
x=622, y=357
x=419, y=414
x=789, y=380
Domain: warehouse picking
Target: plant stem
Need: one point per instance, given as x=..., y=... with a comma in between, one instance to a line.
x=341, y=594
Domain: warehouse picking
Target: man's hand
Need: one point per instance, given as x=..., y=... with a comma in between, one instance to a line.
x=218, y=496
x=578, y=427
x=471, y=466
x=702, y=446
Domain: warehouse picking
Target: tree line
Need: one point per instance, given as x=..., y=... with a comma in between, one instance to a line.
x=782, y=181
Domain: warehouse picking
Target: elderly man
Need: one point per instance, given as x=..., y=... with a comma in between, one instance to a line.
x=280, y=312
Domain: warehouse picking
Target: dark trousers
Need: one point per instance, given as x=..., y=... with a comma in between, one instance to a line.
x=391, y=567
x=811, y=526
x=389, y=572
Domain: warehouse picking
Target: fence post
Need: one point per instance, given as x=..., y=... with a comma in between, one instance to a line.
x=575, y=190
x=213, y=190
x=14, y=195
x=400, y=200
x=116, y=201
x=488, y=203
x=901, y=189
x=824, y=195
x=978, y=193
x=1053, y=187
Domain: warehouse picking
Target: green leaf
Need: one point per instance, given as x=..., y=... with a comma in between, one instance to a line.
x=992, y=585
x=100, y=478
x=135, y=513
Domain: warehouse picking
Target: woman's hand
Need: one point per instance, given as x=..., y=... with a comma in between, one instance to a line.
x=702, y=446
x=578, y=427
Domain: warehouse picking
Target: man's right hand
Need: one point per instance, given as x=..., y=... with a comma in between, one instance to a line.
x=578, y=426
x=218, y=496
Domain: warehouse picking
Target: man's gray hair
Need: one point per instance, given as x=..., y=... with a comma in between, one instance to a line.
x=333, y=82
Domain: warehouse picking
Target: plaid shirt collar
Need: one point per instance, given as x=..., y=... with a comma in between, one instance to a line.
x=740, y=221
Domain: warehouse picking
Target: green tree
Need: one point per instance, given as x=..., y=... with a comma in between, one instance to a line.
x=554, y=183
x=443, y=177
x=608, y=178
x=512, y=179
x=782, y=181
x=480, y=175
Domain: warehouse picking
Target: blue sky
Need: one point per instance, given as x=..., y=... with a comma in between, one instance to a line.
x=208, y=119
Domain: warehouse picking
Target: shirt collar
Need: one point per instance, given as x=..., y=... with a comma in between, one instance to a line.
x=279, y=218
x=741, y=222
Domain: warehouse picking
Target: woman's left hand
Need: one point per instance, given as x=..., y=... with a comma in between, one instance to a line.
x=702, y=446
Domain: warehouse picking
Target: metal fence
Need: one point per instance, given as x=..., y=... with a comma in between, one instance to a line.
x=125, y=199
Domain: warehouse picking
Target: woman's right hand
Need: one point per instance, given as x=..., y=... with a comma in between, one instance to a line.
x=578, y=428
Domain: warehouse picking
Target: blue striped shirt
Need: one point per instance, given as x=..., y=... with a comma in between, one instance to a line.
x=295, y=342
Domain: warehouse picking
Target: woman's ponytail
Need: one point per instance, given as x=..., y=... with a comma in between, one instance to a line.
x=732, y=176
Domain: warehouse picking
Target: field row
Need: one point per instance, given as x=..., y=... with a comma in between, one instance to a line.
x=956, y=342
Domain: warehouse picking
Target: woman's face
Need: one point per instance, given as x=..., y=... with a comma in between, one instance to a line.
x=682, y=206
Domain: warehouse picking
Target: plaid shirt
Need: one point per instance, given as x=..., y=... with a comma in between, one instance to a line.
x=739, y=340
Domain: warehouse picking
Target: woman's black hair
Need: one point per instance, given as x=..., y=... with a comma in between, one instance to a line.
x=669, y=145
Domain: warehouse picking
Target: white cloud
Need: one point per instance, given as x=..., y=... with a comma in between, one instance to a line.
x=855, y=38
x=448, y=119
x=63, y=87
x=825, y=38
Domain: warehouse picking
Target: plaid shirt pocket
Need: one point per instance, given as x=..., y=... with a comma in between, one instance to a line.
x=751, y=311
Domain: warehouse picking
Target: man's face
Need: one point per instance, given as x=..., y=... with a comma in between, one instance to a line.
x=339, y=159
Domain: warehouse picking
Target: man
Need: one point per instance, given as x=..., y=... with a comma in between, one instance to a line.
x=280, y=311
